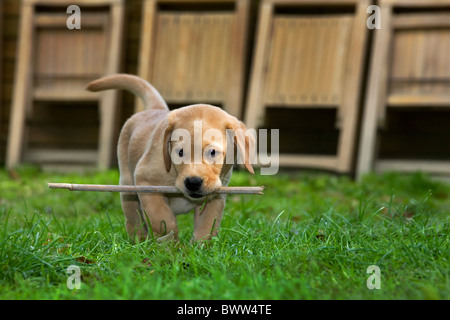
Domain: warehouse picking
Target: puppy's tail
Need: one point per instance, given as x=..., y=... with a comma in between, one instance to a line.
x=144, y=90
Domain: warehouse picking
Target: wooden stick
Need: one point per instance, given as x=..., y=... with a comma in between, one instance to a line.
x=147, y=189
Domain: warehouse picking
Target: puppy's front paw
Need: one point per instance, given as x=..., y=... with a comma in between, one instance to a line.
x=203, y=242
x=168, y=237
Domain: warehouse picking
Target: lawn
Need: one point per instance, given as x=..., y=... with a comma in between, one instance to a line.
x=310, y=236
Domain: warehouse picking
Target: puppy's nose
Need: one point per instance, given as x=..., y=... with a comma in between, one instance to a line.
x=193, y=183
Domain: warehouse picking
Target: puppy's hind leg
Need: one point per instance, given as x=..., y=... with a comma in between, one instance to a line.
x=134, y=220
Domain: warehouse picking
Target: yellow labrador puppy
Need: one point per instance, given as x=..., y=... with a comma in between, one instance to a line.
x=185, y=148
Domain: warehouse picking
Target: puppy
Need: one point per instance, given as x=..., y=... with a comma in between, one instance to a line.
x=149, y=153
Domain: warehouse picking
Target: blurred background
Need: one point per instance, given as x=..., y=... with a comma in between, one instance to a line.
x=346, y=98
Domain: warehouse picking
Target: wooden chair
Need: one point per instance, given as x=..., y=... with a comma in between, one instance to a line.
x=410, y=69
x=306, y=59
x=194, y=51
x=54, y=65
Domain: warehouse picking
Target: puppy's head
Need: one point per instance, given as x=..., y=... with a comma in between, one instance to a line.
x=197, y=143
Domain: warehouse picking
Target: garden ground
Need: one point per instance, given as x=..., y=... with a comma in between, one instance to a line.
x=310, y=236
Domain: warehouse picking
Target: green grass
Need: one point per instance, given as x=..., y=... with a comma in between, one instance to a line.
x=311, y=236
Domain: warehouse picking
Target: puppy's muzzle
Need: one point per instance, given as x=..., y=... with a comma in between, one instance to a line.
x=193, y=186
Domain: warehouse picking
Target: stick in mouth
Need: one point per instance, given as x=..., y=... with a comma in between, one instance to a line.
x=147, y=189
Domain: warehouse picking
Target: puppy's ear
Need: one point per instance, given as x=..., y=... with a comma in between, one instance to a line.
x=244, y=142
x=166, y=148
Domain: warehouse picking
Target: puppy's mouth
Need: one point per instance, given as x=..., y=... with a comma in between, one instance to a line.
x=196, y=196
x=200, y=195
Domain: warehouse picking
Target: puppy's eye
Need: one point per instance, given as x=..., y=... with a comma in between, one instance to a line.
x=180, y=153
x=212, y=153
